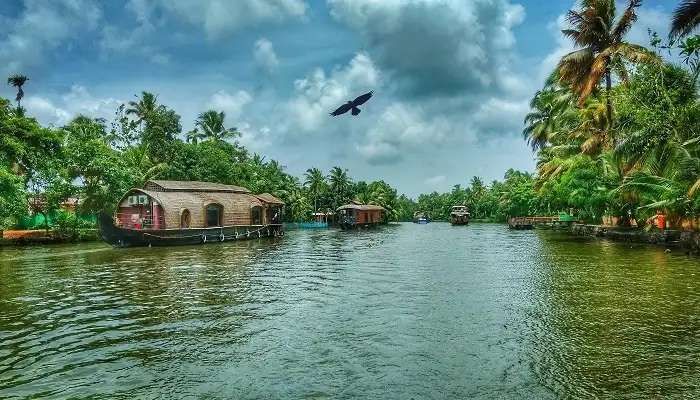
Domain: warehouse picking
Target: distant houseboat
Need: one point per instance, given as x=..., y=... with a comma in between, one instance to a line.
x=459, y=215
x=357, y=215
x=420, y=218
x=186, y=212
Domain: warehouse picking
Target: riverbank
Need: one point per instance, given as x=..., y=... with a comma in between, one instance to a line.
x=41, y=236
x=685, y=240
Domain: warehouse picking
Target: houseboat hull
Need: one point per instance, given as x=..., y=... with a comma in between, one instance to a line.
x=125, y=237
x=459, y=220
x=351, y=226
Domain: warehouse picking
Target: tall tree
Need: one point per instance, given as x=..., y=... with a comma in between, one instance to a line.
x=686, y=18
x=603, y=50
x=212, y=125
x=315, y=182
x=340, y=184
x=18, y=81
x=144, y=107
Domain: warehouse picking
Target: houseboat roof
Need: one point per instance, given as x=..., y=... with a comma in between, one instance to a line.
x=268, y=198
x=361, y=207
x=173, y=200
x=192, y=186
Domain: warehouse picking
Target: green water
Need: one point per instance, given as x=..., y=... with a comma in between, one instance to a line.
x=406, y=311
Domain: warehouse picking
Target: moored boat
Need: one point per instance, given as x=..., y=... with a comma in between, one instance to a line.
x=165, y=213
x=459, y=215
x=356, y=215
x=420, y=218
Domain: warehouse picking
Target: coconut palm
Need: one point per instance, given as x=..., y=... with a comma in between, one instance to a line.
x=146, y=105
x=316, y=183
x=18, y=81
x=551, y=114
x=603, y=50
x=686, y=18
x=340, y=184
x=194, y=136
x=212, y=125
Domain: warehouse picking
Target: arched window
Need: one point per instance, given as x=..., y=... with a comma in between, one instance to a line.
x=215, y=215
x=256, y=215
x=185, y=219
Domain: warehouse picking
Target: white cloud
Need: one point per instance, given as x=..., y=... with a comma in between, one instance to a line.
x=78, y=101
x=318, y=93
x=436, y=46
x=220, y=18
x=231, y=104
x=44, y=26
x=265, y=56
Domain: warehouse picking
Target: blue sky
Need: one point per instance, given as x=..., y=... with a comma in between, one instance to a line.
x=452, y=78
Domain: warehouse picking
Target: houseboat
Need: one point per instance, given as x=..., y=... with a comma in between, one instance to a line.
x=165, y=213
x=420, y=218
x=356, y=215
x=459, y=215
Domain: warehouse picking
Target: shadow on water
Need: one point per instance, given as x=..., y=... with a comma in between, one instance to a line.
x=404, y=311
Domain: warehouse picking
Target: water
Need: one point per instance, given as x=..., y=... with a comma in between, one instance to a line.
x=408, y=311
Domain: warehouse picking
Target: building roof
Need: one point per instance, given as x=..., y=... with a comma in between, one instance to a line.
x=268, y=198
x=192, y=186
x=361, y=207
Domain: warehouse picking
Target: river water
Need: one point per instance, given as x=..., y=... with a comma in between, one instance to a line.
x=405, y=311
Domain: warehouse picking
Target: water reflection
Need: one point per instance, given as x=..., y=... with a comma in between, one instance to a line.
x=422, y=311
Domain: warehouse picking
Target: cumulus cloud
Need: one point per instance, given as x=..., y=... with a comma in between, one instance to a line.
x=319, y=93
x=436, y=47
x=231, y=104
x=220, y=18
x=78, y=101
x=43, y=26
x=265, y=56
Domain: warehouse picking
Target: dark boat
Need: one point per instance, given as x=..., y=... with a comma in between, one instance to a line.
x=166, y=213
x=356, y=215
x=459, y=215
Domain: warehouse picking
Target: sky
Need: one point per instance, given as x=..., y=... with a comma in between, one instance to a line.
x=452, y=79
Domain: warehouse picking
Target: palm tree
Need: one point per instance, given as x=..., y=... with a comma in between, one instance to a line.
x=685, y=18
x=315, y=181
x=18, y=81
x=551, y=114
x=340, y=185
x=144, y=107
x=212, y=124
x=603, y=49
x=194, y=136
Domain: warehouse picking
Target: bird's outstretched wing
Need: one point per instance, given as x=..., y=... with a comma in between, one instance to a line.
x=342, y=109
x=362, y=99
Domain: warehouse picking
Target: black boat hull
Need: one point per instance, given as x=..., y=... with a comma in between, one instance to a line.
x=122, y=237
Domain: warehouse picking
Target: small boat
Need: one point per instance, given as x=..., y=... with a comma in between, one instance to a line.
x=420, y=218
x=459, y=215
x=356, y=215
x=166, y=213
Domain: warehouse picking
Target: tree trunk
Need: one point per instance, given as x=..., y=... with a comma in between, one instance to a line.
x=608, y=101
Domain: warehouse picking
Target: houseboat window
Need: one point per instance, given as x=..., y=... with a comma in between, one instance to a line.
x=214, y=215
x=256, y=215
x=185, y=219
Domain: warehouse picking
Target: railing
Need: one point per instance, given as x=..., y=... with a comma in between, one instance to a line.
x=134, y=221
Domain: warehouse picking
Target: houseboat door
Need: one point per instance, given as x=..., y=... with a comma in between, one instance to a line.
x=214, y=214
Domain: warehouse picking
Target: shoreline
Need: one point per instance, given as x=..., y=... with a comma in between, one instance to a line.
x=689, y=241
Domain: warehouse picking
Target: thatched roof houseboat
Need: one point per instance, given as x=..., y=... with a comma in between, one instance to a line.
x=355, y=215
x=185, y=212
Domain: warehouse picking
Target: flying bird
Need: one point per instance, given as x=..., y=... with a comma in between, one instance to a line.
x=352, y=105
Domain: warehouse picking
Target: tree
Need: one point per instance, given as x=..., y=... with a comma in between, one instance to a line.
x=146, y=105
x=315, y=182
x=194, y=136
x=18, y=81
x=686, y=18
x=212, y=125
x=603, y=51
x=340, y=185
